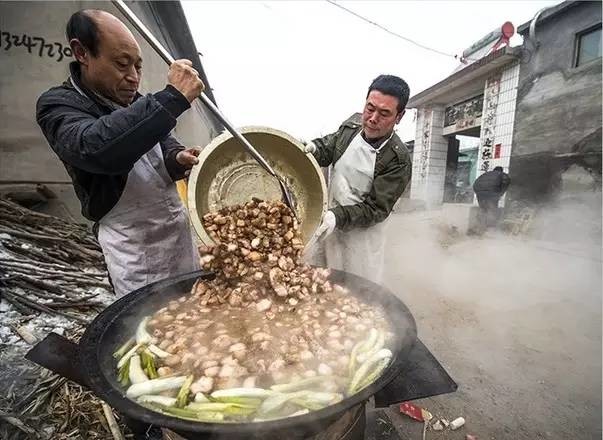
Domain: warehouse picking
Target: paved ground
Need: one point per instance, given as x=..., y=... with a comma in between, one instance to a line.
x=516, y=322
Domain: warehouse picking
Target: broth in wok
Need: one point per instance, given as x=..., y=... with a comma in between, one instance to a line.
x=269, y=337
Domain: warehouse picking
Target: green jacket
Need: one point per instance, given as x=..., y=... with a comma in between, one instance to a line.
x=392, y=174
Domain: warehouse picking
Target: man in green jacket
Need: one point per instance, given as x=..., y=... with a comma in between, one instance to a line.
x=370, y=170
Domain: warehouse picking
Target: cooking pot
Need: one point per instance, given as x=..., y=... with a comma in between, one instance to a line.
x=91, y=362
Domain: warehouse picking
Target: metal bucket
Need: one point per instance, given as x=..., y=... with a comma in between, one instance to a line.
x=227, y=175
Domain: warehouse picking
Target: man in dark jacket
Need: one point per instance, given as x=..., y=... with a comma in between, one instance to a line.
x=370, y=170
x=489, y=188
x=117, y=148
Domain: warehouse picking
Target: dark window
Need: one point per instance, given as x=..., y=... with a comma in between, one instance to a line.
x=588, y=45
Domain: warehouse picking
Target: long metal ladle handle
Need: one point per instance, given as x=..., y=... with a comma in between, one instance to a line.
x=169, y=59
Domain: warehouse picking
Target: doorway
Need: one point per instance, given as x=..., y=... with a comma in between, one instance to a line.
x=461, y=167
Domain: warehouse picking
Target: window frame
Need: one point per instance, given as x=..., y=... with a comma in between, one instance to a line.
x=577, y=37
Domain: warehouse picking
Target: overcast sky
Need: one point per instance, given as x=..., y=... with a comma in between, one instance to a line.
x=305, y=66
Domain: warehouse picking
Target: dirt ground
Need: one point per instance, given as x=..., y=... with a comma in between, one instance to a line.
x=515, y=321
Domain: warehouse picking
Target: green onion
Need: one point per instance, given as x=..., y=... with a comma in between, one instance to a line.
x=143, y=337
x=158, y=351
x=251, y=401
x=278, y=400
x=254, y=393
x=360, y=348
x=128, y=355
x=198, y=416
x=369, y=351
x=302, y=384
x=367, y=369
x=374, y=374
x=161, y=400
x=281, y=415
x=148, y=364
x=123, y=375
x=227, y=408
x=317, y=400
x=182, y=397
x=119, y=353
x=155, y=386
x=200, y=398
x=136, y=374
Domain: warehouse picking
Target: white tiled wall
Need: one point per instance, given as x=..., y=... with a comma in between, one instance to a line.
x=505, y=116
x=429, y=156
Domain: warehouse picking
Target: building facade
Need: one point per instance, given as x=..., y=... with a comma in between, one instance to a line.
x=534, y=109
x=558, y=108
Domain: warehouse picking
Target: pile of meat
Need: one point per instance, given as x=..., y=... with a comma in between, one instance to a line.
x=267, y=317
x=258, y=257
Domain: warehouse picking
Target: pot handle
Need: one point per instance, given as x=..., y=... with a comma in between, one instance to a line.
x=59, y=355
x=423, y=376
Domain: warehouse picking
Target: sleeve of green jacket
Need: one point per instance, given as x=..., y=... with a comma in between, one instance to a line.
x=387, y=188
x=325, y=147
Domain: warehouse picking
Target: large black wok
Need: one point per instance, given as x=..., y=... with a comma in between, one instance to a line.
x=92, y=364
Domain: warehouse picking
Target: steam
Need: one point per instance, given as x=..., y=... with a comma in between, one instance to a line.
x=510, y=316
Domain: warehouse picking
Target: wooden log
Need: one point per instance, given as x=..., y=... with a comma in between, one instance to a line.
x=76, y=305
x=43, y=308
x=61, y=267
x=28, y=235
x=43, y=294
x=42, y=284
x=113, y=426
x=75, y=248
x=21, y=308
x=33, y=253
x=29, y=269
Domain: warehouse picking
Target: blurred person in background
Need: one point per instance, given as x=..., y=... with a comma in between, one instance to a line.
x=489, y=188
x=117, y=148
x=370, y=169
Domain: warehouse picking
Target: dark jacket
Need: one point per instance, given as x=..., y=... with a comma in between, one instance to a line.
x=99, y=145
x=492, y=183
x=392, y=174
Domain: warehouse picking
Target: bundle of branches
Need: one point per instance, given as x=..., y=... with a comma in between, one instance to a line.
x=47, y=406
x=48, y=264
x=62, y=242
x=58, y=409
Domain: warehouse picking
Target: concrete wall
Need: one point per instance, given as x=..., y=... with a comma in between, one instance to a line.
x=558, y=106
x=24, y=75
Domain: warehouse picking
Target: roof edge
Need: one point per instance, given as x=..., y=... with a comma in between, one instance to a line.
x=415, y=100
x=548, y=13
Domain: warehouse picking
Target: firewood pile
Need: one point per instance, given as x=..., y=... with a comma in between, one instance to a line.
x=39, y=404
x=48, y=264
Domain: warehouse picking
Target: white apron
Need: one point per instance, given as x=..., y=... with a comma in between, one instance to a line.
x=146, y=236
x=361, y=250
